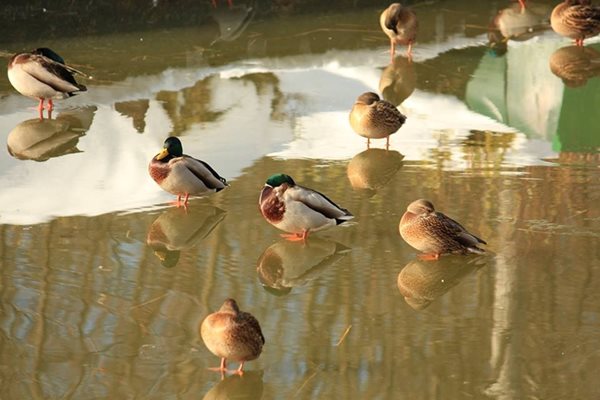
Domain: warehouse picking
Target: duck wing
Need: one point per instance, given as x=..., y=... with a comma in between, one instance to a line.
x=254, y=332
x=458, y=231
x=318, y=202
x=52, y=73
x=583, y=17
x=205, y=173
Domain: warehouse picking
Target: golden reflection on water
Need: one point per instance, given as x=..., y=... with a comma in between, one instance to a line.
x=421, y=282
x=285, y=265
x=40, y=139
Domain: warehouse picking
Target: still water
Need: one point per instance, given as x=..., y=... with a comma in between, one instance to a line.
x=103, y=284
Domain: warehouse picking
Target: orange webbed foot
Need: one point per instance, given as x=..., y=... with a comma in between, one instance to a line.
x=429, y=257
x=293, y=237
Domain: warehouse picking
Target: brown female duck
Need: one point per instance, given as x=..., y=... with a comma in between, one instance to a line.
x=232, y=334
x=374, y=118
x=576, y=19
x=400, y=24
x=433, y=233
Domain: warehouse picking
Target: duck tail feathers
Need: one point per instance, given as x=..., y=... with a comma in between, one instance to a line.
x=475, y=250
x=343, y=218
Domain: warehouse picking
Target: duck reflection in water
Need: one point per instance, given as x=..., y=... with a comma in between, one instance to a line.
x=177, y=229
x=372, y=169
x=398, y=81
x=285, y=265
x=517, y=23
x=41, y=139
x=246, y=387
x=422, y=282
x=575, y=65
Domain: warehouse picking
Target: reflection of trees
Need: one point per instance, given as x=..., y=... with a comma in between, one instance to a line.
x=486, y=149
x=190, y=105
x=88, y=311
x=194, y=105
x=136, y=110
x=449, y=72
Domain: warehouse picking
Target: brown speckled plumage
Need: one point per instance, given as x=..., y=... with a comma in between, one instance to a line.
x=232, y=334
x=433, y=233
x=400, y=24
x=576, y=19
x=374, y=118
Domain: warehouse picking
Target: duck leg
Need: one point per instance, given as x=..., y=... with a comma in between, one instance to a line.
x=40, y=108
x=409, y=51
x=429, y=257
x=392, y=50
x=295, y=237
x=50, y=105
x=222, y=369
x=240, y=370
x=387, y=143
x=522, y=3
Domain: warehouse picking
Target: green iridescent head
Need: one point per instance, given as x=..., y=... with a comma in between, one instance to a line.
x=279, y=179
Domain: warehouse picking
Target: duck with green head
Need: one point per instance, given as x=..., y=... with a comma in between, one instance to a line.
x=434, y=233
x=298, y=210
x=43, y=75
x=182, y=175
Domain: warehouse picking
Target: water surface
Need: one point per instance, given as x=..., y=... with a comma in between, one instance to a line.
x=104, y=284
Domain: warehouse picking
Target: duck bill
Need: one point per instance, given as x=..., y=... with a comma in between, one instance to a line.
x=163, y=153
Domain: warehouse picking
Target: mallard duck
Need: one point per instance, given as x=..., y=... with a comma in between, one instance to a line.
x=43, y=75
x=576, y=19
x=232, y=335
x=433, y=233
x=182, y=175
x=400, y=24
x=297, y=209
x=374, y=118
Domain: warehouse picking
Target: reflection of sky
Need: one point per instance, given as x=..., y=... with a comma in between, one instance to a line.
x=519, y=89
x=111, y=171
